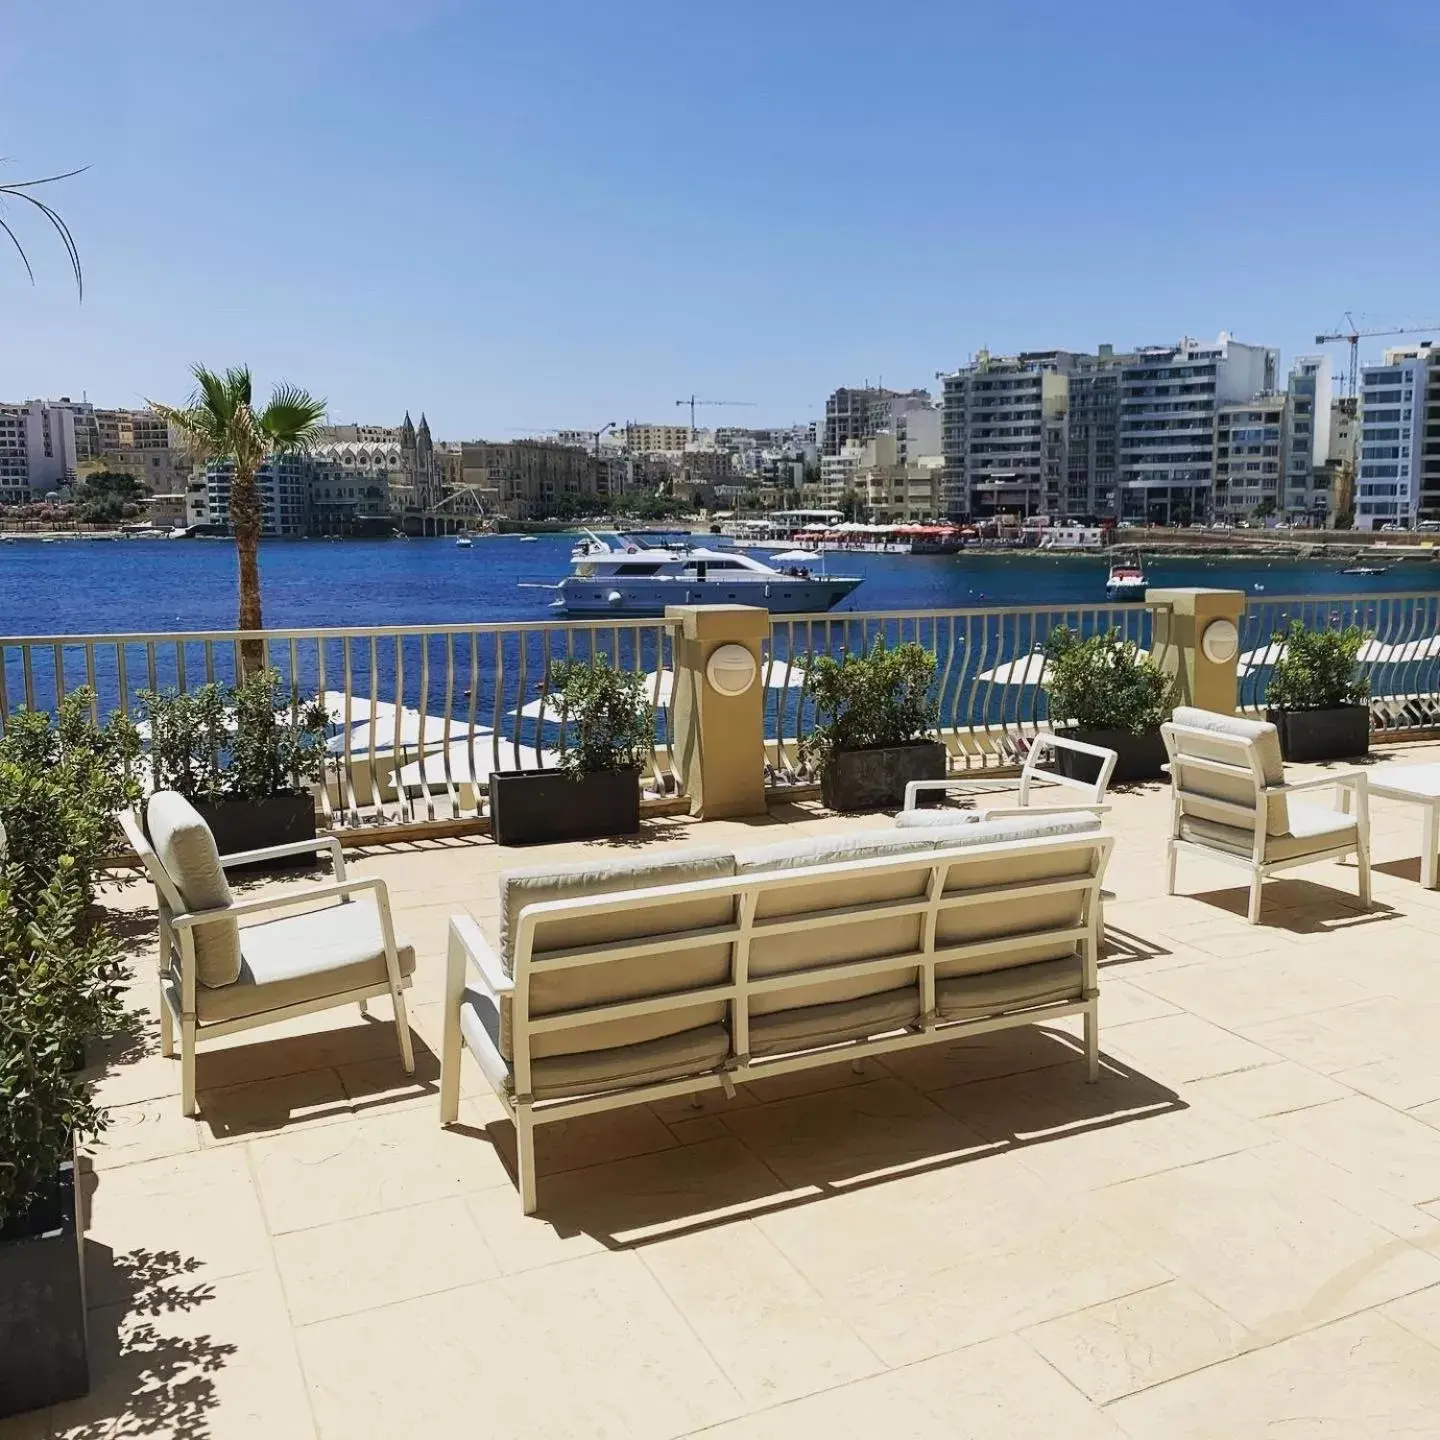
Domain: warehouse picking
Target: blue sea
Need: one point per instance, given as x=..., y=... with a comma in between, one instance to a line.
x=84, y=587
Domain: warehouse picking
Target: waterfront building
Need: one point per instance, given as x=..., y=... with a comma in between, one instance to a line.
x=524, y=479
x=38, y=454
x=643, y=438
x=1092, y=435
x=361, y=434
x=1246, y=463
x=1392, y=424
x=1307, y=482
x=1004, y=434
x=132, y=442
x=283, y=485
x=860, y=414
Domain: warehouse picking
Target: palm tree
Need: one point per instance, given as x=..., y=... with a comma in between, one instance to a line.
x=221, y=423
x=20, y=190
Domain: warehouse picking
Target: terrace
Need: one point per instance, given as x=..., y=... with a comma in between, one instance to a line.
x=1237, y=1228
x=1235, y=1232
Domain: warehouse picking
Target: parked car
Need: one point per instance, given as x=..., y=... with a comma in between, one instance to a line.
x=1391, y=528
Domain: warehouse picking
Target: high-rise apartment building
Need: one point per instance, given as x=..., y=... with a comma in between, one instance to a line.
x=1092, y=448
x=1392, y=430
x=38, y=453
x=1307, y=484
x=1166, y=441
x=852, y=414
x=646, y=439
x=284, y=490
x=1247, y=465
x=1004, y=434
x=134, y=442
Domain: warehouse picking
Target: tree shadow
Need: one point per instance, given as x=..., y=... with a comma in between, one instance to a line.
x=145, y=1379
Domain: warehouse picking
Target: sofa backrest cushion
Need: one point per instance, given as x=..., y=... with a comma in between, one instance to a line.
x=981, y=831
x=1198, y=788
x=186, y=851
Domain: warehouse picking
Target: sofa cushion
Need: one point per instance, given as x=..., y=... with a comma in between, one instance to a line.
x=601, y=876
x=818, y=850
x=983, y=831
x=1018, y=987
x=305, y=957
x=808, y=1026
x=186, y=851
x=668, y=1057
x=1198, y=785
x=1312, y=829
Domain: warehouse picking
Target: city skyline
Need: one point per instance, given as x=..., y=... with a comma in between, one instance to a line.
x=554, y=220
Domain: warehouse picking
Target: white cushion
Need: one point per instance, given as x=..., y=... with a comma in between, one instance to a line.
x=186, y=850
x=297, y=958
x=1197, y=787
x=1312, y=829
x=981, y=831
x=831, y=850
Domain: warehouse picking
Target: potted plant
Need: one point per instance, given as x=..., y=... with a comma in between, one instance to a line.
x=247, y=757
x=877, y=718
x=1103, y=691
x=56, y=970
x=1317, y=694
x=595, y=789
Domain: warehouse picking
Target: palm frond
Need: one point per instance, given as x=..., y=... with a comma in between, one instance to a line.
x=15, y=241
x=19, y=190
x=292, y=419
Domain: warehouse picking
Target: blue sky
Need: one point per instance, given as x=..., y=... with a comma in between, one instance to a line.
x=530, y=215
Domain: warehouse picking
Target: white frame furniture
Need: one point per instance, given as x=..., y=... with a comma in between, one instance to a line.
x=1040, y=746
x=1246, y=767
x=472, y=962
x=1389, y=783
x=177, y=937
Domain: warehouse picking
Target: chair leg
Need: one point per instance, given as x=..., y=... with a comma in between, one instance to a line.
x=1256, y=880
x=452, y=1051
x=364, y=1009
x=402, y=1030
x=1171, y=856
x=525, y=1157
x=1362, y=870
x=167, y=1027
x=187, y=1067
x=1092, y=1043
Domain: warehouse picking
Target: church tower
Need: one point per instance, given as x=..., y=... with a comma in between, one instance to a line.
x=426, y=488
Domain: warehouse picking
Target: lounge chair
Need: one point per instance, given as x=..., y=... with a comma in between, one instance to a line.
x=1043, y=747
x=1231, y=802
x=217, y=978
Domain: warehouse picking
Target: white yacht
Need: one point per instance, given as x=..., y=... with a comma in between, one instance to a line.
x=620, y=575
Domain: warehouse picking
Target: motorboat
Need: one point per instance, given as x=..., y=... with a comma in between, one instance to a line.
x=1126, y=582
x=463, y=541
x=621, y=575
x=1365, y=570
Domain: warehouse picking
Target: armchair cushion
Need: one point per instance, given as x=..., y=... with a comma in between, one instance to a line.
x=1313, y=829
x=298, y=958
x=186, y=849
x=1198, y=785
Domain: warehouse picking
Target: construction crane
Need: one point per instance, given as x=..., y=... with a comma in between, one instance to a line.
x=1354, y=335
x=692, y=402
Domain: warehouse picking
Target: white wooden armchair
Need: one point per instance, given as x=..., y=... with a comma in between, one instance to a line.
x=1042, y=748
x=217, y=978
x=1230, y=801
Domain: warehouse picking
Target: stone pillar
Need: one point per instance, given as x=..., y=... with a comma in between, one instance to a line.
x=718, y=740
x=1206, y=681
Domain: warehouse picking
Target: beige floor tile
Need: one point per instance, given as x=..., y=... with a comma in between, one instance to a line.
x=1419, y=1313
x=1267, y=1090
x=1138, y=1341
x=378, y=1259
x=520, y=1242
x=841, y=1135
x=1407, y=1081
x=266, y=1107
x=1180, y=1048
x=770, y=1332
x=379, y=1162
x=195, y=1214
x=1346, y=1038
x=928, y=1263
x=815, y=1081
x=982, y=1057
x=1276, y=1258
x=589, y=1140
x=591, y=1347
x=998, y=1390
x=186, y=1359
x=702, y=1127
x=147, y=1130
x=1123, y=1003
x=1363, y=1377
x=1258, y=990
x=1396, y=1152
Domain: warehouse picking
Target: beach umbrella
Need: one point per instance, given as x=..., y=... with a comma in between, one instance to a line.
x=455, y=765
x=361, y=707
x=1404, y=653
x=782, y=675
x=388, y=732
x=1261, y=656
x=795, y=557
x=1032, y=669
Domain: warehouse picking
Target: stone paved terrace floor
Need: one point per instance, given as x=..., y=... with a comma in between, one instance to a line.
x=1236, y=1233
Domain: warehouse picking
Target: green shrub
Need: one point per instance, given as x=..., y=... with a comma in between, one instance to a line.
x=870, y=701
x=614, y=722
x=1103, y=683
x=248, y=741
x=1317, y=669
x=48, y=1009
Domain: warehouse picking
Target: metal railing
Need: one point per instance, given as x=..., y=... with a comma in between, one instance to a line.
x=422, y=715
x=1400, y=657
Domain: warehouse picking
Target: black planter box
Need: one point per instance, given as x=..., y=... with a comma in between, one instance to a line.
x=1141, y=757
x=254, y=824
x=1337, y=734
x=541, y=807
x=43, y=1358
x=876, y=779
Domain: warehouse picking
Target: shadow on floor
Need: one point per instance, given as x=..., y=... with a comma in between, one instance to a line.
x=1123, y=947
x=792, y=1151
x=1408, y=869
x=1300, y=906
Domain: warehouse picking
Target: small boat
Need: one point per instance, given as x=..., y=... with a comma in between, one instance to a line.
x=528, y=539
x=1126, y=582
x=463, y=542
x=620, y=575
x=1365, y=570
